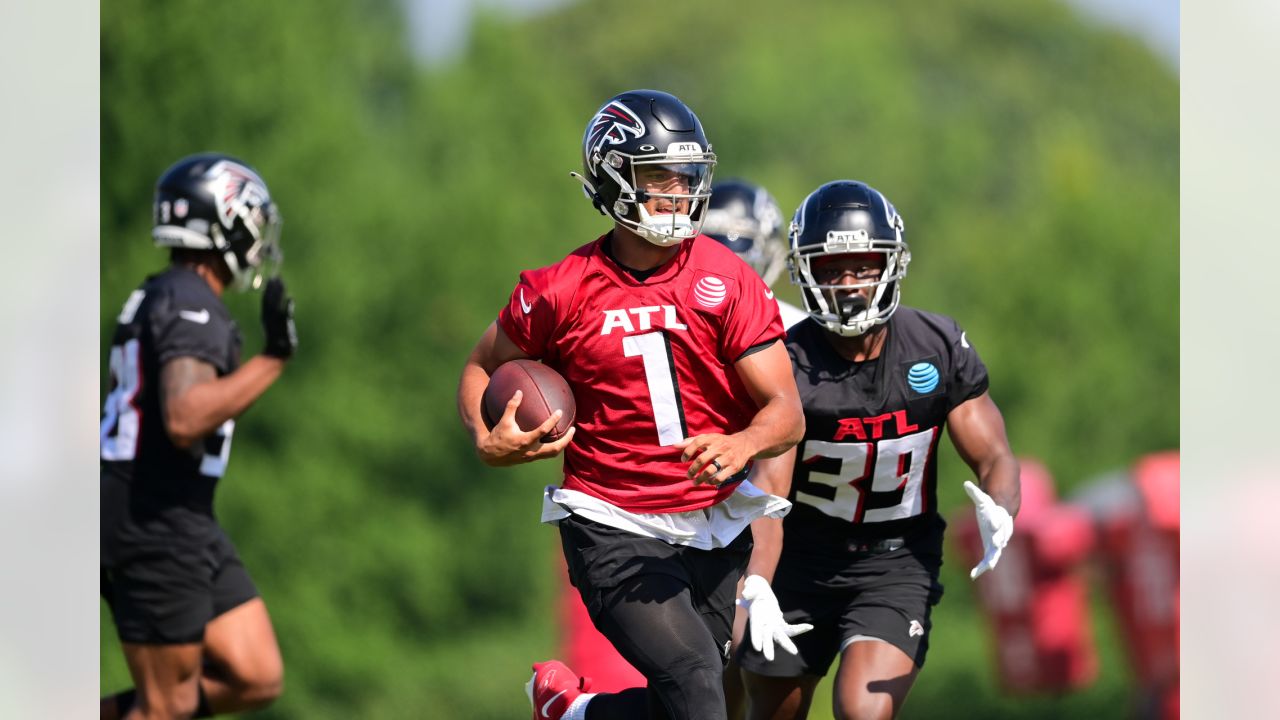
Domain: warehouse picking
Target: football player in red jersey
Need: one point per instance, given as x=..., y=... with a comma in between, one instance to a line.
x=672, y=346
x=863, y=542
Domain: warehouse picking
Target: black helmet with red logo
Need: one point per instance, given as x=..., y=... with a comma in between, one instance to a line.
x=647, y=130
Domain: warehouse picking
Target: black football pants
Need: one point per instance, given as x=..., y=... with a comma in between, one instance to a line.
x=667, y=609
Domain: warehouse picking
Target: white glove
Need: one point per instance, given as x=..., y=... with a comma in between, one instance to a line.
x=765, y=618
x=995, y=524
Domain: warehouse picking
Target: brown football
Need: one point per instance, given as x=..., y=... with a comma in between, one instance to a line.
x=545, y=391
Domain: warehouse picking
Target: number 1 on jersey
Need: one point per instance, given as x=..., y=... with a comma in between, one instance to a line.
x=659, y=375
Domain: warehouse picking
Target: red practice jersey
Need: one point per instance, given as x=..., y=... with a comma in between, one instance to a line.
x=650, y=363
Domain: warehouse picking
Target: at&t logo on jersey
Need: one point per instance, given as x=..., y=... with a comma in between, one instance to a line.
x=710, y=291
x=923, y=377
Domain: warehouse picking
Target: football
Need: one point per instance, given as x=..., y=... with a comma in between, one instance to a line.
x=545, y=391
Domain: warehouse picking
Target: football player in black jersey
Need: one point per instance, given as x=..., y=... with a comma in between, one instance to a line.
x=862, y=547
x=196, y=636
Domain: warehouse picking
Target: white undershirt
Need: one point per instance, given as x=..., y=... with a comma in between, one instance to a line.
x=705, y=529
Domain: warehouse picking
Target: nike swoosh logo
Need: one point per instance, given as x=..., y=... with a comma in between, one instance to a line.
x=963, y=342
x=546, y=707
x=524, y=305
x=201, y=317
x=768, y=294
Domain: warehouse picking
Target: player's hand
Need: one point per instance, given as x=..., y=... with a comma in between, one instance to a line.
x=765, y=618
x=716, y=457
x=506, y=444
x=994, y=523
x=277, y=320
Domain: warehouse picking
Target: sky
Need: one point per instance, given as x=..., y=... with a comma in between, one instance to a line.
x=1154, y=21
x=439, y=27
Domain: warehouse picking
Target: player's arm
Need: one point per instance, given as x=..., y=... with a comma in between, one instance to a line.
x=195, y=401
x=977, y=431
x=506, y=444
x=773, y=475
x=777, y=425
x=768, y=626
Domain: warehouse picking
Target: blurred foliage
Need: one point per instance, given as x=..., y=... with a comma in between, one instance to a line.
x=1034, y=158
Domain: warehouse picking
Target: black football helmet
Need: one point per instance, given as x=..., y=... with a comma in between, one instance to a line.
x=646, y=128
x=843, y=217
x=215, y=202
x=745, y=218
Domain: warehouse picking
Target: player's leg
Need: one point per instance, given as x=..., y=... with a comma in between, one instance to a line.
x=783, y=688
x=642, y=596
x=779, y=698
x=873, y=681
x=885, y=631
x=112, y=707
x=243, y=669
x=735, y=693
x=652, y=622
x=159, y=598
x=166, y=680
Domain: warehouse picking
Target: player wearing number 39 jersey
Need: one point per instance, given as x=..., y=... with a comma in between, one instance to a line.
x=673, y=349
x=861, y=549
x=195, y=634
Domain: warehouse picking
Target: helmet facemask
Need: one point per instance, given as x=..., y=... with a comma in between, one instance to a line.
x=831, y=304
x=684, y=194
x=253, y=250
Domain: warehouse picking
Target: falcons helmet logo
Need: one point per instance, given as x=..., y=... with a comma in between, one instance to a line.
x=611, y=124
x=237, y=191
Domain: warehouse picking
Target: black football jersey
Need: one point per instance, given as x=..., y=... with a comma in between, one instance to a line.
x=866, y=469
x=173, y=314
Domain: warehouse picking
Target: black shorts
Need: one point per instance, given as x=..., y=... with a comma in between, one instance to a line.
x=885, y=596
x=165, y=573
x=600, y=558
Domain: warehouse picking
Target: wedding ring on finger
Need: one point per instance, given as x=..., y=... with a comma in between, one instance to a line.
x=717, y=464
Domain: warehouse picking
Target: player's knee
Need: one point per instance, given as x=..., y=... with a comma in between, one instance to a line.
x=688, y=683
x=264, y=693
x=865, y=706
x=264, y=686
